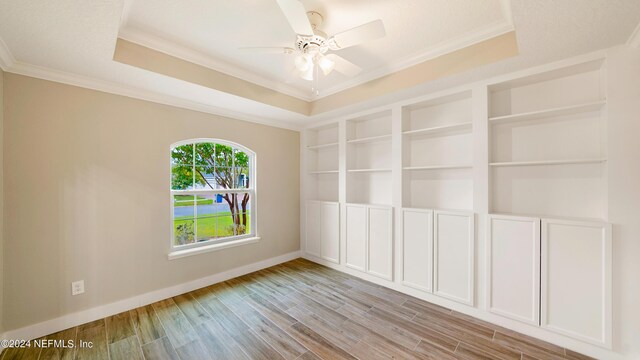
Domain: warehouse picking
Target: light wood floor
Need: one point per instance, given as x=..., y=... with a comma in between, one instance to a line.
x=296, y=310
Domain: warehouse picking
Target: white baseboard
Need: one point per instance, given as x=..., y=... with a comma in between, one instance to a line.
x=99, y=312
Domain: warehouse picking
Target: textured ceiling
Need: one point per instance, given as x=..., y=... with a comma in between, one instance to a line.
x=75, y=39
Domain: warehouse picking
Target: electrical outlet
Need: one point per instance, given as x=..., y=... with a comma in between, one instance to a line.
x=77, y=287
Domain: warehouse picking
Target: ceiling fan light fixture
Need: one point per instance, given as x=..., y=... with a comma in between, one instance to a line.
x=307, y=74
x=304, y=62
x=326, y=65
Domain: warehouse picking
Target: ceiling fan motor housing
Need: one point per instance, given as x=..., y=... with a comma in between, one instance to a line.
x=318, y=41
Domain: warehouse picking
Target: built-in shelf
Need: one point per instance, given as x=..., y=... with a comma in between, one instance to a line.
x=547, y=113
x=437, y=167
x=368, y=170
x=549, y=162
x=440, y=129
x=323, y=172
x=322, y=146
x=370, y=139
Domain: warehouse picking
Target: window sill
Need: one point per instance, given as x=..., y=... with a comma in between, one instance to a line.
x=213, y=247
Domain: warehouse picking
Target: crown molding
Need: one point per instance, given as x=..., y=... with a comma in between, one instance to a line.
x=458, y=43
x=137, y=93
x=6, y=58
x=634, y=39
x=145, y=39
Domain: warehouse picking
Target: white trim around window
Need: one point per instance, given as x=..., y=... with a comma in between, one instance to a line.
x=209, y=187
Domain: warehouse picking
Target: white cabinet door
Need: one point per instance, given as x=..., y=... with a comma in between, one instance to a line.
x=314, y=211
x=356, y=240
x=513, y=280
x=454, y=255
x=380, y=249
x=417, y=249
x=330, y=232
x=576, y=279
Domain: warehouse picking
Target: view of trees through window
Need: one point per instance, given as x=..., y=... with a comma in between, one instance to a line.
x=211, y=191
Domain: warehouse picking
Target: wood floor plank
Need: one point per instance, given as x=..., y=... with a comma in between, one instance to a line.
x=58, y=351
x=193, y=350
x=315, y=307
x=176, y=325
x=252, y=345
x=277, y=338
x=486, y=351
x=362, y=350
x=335, y=335
x=159, y=349
x=316, y=343
x=126, y=349
x=119, y=327
x=192, y=309
x=389, y=331
x=381, y=343
x=218, y=342
x=270, y=311
x=420, y=306
x=146, y=324
x=430, y=351
x=308, y=356
x=95, y=333
x=425, y=333
x=533, y=347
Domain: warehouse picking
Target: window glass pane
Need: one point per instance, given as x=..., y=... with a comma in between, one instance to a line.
x=181, y=177
x=205, y=218
x=183, y=206
x=206, y=178
x=205, y=154
x=241, y=169
x=182, y=155
x=183, y=231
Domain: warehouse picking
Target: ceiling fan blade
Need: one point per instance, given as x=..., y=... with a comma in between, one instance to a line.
x=344, y=66
x=296, y=14
x=366, y=32
x=267, y=50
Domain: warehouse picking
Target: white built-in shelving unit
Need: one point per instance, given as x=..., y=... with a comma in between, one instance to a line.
x=504, y=180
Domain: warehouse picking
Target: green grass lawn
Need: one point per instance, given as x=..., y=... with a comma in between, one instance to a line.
x=212, y=227
x=187, y=200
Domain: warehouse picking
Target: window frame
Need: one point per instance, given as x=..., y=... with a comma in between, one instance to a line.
x=213, y=243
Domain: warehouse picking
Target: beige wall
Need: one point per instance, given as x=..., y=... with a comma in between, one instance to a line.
x=1, y=199
x=87, y=197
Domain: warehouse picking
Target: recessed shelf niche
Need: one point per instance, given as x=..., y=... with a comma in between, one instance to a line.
x=437, y=153
x=322, y=163
x=548, y=143
x=369, y=159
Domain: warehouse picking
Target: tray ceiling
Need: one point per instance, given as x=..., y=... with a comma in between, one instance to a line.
x=212, y=31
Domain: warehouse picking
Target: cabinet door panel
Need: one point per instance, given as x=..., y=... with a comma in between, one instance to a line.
x=380, y=248
x=356, y=241
x=417, y=248
x=314, y=212
x=330, y=232
x=514, y=267
x=576, y=279
x=454, y=255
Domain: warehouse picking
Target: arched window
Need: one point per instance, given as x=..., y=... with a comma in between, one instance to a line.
x=212, y=192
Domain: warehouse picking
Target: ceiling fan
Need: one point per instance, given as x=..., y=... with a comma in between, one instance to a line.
x=313, y=46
